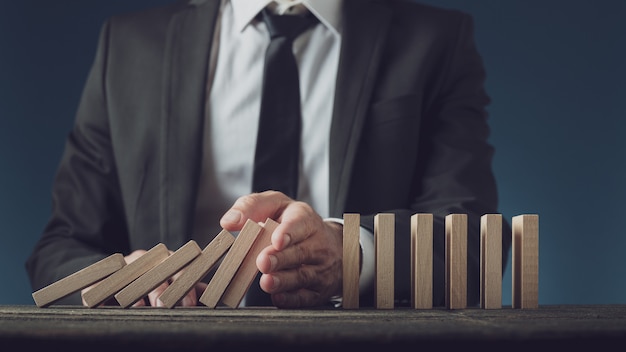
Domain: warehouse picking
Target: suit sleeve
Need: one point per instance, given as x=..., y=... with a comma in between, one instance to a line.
x=86, y=222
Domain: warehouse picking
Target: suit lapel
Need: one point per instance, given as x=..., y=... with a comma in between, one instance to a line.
x=188, y=44
x=365, y=27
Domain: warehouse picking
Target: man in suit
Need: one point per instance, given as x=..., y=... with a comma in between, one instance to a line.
x=394, y=121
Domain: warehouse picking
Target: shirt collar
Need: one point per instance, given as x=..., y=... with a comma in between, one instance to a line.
x=327, y=11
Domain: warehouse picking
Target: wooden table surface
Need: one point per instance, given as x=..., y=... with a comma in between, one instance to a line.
x=114, y=329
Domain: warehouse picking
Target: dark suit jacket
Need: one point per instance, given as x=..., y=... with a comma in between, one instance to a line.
x=409, y=134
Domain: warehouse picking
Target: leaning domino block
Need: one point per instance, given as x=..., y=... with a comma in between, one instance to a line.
x=244, y=277
x=78, y=280
x=108, y=287
x=157, y=275
x=197, y=269
x=230, y=264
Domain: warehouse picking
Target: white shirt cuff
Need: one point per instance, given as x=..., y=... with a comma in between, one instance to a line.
x=366, y=240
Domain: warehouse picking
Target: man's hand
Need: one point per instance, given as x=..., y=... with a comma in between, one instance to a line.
x=303, y=265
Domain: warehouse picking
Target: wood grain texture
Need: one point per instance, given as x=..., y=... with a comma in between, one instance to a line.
x=157, y=275
x=108, y=287
x=384, y=241
x=197, y=269
x=78, y=280
x=491, y=261
x=525, y=261
x=230, y=264
x=456, y=261
x=422, y=261
x=351, y=260
x=248, y=270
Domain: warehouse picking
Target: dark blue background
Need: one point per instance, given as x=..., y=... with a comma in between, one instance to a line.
x=556, y=74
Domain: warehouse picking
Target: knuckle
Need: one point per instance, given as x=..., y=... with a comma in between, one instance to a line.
x=306, y=276
x=248, y=201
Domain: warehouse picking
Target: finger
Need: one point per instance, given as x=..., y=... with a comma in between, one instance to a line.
x=200, y=288
x=290, y=280
x=134, y=255
x=154, y=295
x=270, y=260
x=190, y=299
x=297, y=223
x=140, y=303
x=256, y=207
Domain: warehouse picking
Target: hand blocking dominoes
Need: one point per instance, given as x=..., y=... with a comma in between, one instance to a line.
x=111, y=277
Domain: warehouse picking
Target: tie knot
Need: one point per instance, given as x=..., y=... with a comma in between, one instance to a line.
x=288, y=26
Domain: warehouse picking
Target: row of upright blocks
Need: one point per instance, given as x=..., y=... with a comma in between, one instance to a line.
x=525, y=261
x=236, y=256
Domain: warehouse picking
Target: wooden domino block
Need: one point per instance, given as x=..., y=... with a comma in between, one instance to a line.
x=78, y=280
x=384, y=242
x=197, y=269
x=158, y=274
x=108, y=287
x=525, y=261
x=456, y=261
x=230, y=264
x=248, y=270
x=491, y=261
x=422, y=261
x=351, y=260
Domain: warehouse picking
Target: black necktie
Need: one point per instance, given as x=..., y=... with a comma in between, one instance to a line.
x=278, y=140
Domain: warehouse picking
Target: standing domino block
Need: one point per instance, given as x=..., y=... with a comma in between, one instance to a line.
x=244, y=277
x=197, y=269
x=422, y=261
x=230, y=264
x=158, y=274
x=456, y=261
x=491, y=261
x=525, y=253
x=106, y=288
x=384, y=241
x=78, y=280
x=351, y=260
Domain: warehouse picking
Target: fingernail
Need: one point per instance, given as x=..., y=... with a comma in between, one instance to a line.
x=273, y=262
x=232, y=216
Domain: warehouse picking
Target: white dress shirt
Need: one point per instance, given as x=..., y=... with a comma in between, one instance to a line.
x=234, y=98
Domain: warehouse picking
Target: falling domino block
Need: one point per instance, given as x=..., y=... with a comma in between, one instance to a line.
x=108, y=287
x=197, y=269
x=525, y=261
x=248, y=270
x=384, y=241
x=351, y=260
x=491, y=261
x=230, y=264
x=456, y=261
x=158, y=274
x=422, y=261
x=78, y=280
